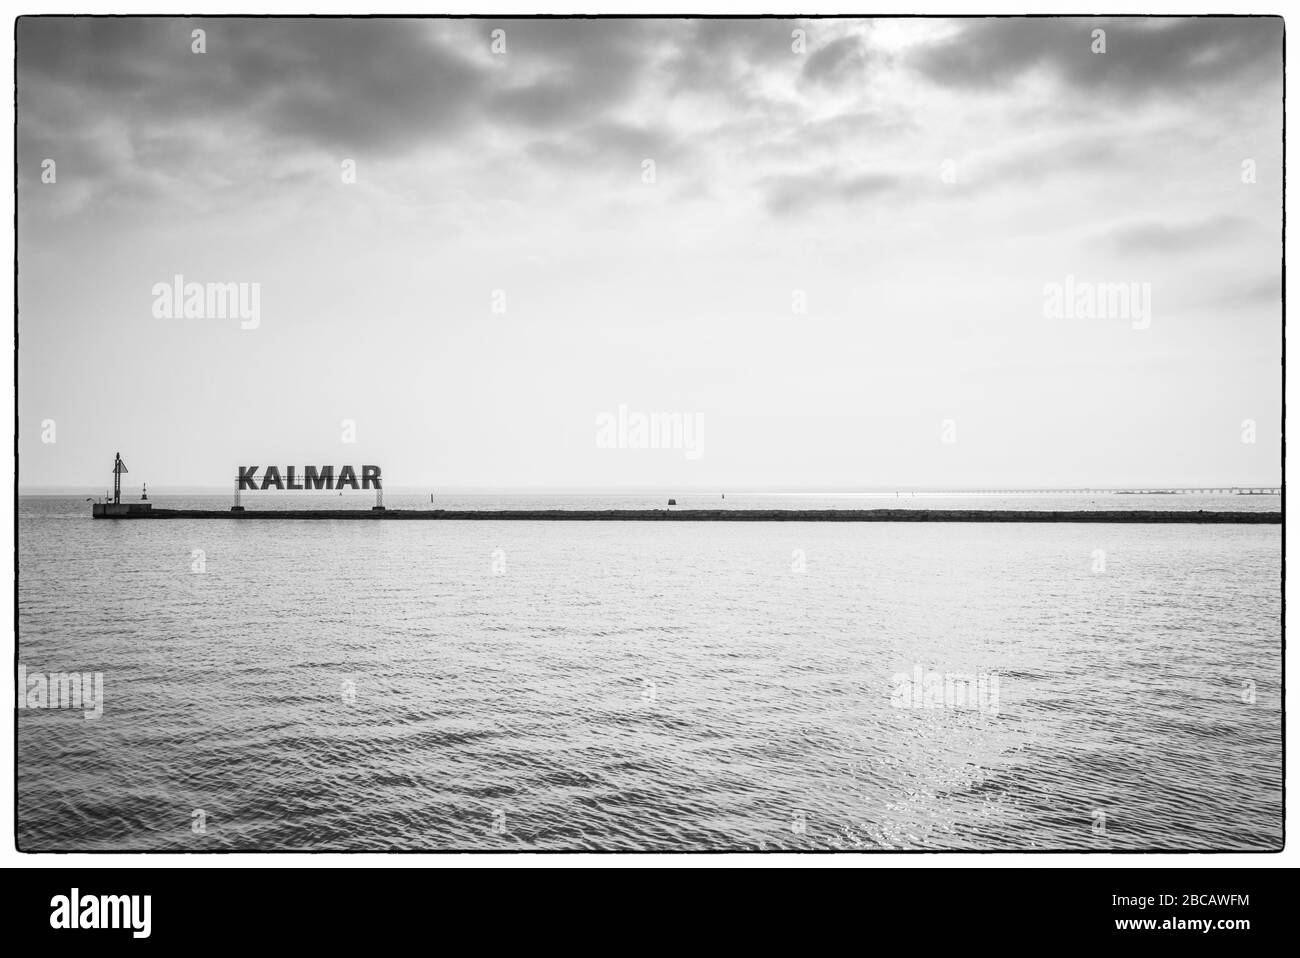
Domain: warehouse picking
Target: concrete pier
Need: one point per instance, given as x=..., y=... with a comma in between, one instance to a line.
x=121, y=510
x=706, y=515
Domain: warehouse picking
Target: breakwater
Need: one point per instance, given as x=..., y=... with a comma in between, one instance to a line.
x=723, y=515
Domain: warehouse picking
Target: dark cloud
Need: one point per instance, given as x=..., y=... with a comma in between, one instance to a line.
x=706, y=51
x=561, y=73
x=117, y=98
x=836, y=61
x=361, y=85
x=351, y=86
x=1142, y=54
x=341, y=83
x=722, y=58
x=126, y=107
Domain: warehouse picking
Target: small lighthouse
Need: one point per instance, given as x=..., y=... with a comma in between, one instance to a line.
x=103, y=510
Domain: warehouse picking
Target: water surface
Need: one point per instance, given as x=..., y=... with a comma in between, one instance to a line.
x=541, y=685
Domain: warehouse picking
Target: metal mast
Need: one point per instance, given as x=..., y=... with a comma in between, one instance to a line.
x=119, y=467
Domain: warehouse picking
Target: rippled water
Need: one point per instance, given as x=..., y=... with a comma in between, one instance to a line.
x=516, y=685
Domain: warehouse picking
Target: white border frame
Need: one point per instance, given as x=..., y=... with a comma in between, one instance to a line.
x=10, y=857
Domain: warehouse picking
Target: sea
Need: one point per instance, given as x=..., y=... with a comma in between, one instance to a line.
x=660, y=687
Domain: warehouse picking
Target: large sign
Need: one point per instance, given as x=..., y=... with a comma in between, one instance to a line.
x=311, y=477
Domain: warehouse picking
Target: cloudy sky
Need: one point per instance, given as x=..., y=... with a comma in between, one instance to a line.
x=917, y=183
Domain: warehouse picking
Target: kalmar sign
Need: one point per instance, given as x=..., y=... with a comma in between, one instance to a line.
x=311, y=477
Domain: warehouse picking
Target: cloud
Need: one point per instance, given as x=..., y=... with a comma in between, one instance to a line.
x=724, y=56
x=1162, y=236
x=1143, y=55
x=561, y=73
x=609, y=145
x=341, y=84
x=370, y=86
x=126, y=106
x=791, y=194
x=726, y=106
x=836, y=61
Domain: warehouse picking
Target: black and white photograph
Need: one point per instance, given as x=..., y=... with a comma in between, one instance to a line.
x=650, y=435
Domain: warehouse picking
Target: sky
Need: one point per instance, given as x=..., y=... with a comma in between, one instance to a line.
x=829, y=247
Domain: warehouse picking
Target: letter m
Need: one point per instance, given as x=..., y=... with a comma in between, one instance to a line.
x=1115, y=297
x=69, y=690
x=115, y=909
x=318, y=480
x=222, y=297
